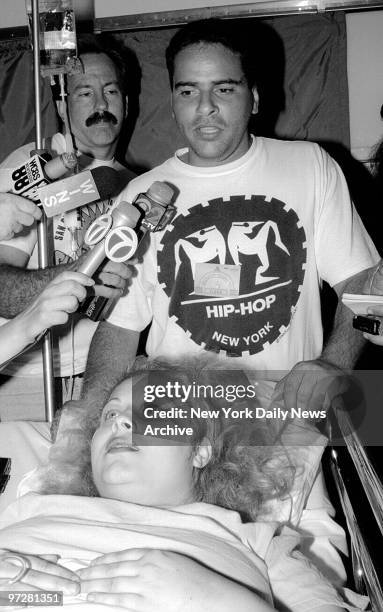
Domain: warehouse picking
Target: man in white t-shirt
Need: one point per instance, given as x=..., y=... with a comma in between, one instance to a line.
x=261, y=223
x=96, y=110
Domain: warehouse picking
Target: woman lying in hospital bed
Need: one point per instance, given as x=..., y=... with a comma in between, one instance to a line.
x=156, y=524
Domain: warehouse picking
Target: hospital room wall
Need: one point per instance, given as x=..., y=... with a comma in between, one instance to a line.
x=365, y=80
x=365, y=57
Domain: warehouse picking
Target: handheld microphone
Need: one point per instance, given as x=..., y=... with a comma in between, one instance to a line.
x=79, y=189
x=39, y=170
x=153, y=211
x=124, y=215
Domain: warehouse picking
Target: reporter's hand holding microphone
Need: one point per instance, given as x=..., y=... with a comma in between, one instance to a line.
x=51, y=307
x=114, y=241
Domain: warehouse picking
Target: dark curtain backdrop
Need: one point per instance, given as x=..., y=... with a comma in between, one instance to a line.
x=17, y=122
x=302, y=84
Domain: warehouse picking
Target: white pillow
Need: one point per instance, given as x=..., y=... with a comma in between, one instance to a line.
x=27, y=444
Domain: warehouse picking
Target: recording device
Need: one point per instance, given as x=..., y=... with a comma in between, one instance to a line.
x=79, y=189
x=359, y=304
x=119, y=239
x=38, y=171
x=368, y=324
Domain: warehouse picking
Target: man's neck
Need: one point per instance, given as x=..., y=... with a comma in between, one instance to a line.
x=101, y=153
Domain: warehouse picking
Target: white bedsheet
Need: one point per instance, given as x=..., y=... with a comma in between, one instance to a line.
x=28, y=445
x=80, y=529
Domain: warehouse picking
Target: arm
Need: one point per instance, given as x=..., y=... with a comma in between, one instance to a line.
x=374, y=286
x=51, y=307
x=168, y=582
x=345, y=344
x=20, y=286
x=111, y=354
x=165, y=581
x=313, y=384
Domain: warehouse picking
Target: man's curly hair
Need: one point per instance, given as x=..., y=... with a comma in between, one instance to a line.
x=248, y=467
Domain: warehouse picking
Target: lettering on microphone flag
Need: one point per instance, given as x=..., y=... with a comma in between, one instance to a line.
x=75, y=191
x=27, y=179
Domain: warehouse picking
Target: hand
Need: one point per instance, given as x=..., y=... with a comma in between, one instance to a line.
x=52, y=307
x=44, y=574
x=15, y=213
x=112, y=278
x=144, y=580
x=311, y=385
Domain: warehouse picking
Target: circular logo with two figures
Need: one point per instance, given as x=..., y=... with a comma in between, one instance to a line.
x=233, y=271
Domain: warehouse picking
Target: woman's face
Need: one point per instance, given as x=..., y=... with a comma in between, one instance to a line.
x=158, y=473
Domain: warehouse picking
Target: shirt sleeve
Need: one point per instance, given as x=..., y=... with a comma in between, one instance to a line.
x=134, y=310
x=342, y=245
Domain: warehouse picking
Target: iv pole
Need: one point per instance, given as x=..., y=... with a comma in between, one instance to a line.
x=42, y=240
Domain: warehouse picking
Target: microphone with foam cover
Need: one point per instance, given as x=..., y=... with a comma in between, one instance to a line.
x=151, y=211
x=38, y=171
x=79, y=189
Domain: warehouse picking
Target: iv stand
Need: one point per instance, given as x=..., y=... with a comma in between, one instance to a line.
x=42, y=240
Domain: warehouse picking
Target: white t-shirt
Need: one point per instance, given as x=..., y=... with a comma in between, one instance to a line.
x=280, y=220
x=71, y=348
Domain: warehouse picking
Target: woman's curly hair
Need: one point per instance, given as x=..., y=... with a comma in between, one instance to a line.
x=248, y=466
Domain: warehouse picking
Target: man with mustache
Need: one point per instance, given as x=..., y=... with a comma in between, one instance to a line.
x=93, y=116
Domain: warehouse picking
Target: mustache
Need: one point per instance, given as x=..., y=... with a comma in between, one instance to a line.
x=100, y=117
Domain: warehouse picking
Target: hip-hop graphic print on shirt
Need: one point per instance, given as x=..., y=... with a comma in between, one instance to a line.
x=255, y=241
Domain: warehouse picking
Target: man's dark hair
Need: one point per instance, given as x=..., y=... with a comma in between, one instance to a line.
x=121, y=56
x=213, y=31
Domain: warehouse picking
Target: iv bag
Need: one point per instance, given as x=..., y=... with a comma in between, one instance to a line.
x=57, y=41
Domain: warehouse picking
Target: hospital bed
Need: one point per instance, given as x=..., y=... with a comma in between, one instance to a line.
x=350, y=475
x=355, y=479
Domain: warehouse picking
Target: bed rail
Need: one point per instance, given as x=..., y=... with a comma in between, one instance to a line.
x=360, y=493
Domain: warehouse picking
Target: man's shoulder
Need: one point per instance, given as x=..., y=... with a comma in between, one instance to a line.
x=295, y=146
x=289, y=154
x=142, y=182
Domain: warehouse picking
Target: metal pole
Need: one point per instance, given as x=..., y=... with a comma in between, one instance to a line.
x=42, y=241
